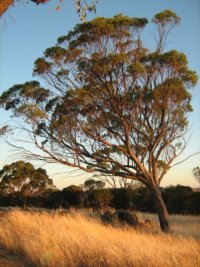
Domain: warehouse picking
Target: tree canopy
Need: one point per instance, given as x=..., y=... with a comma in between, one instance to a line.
x=22, y=177
x=196, y=173
x=111, y=105
x=92, y=184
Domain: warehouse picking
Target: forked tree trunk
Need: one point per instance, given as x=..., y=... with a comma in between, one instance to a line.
x=161, y=208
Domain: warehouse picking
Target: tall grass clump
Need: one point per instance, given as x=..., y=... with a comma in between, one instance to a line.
x=76, y=240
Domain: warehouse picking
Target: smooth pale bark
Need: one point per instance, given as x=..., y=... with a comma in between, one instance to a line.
x=161, y=208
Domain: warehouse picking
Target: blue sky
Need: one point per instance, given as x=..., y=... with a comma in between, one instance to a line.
x=27, y=30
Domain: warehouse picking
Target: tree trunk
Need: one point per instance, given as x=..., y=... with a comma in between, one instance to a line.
x=161, y=208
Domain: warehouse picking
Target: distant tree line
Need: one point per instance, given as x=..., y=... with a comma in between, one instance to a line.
x=179, y=199
x=21, y=178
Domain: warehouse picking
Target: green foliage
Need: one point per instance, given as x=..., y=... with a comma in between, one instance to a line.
x=23, y=178
x=196, y=173
x=120, y=198
x=42, y=66
x=93, y=30
x=191, y=204
x=176, y=197
x=72, y=196
x=179, y=199
x=99, y=198
x=92, y=184
x=101, y=72
x=141, y=199
x=166, y=17
x=112, y=106
x=21, y=93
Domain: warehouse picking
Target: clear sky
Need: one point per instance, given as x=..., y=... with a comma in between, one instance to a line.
x=27, y=30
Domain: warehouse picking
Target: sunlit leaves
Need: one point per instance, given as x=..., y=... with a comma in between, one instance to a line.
x=24, y=100
x=31, y=112
x=22, y=177
x=166, y=17
x=41, y=66
x=104, y=26
x=20, y=93
x=112, y=106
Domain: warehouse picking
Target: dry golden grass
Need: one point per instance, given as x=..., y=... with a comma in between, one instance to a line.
x=77, y=240
x=184, y=225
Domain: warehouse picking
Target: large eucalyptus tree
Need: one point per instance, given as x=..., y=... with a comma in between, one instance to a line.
x=110, y=105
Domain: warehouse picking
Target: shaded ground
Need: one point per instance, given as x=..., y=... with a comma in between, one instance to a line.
x=8, y=259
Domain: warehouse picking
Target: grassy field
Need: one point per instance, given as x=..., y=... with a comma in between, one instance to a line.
x=77, y=239
x=184, y=225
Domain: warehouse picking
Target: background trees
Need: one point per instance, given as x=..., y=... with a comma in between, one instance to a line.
x=21, y=177
x=196, y=173
x=92, y=184
x=111, y=106
x=176, y=198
